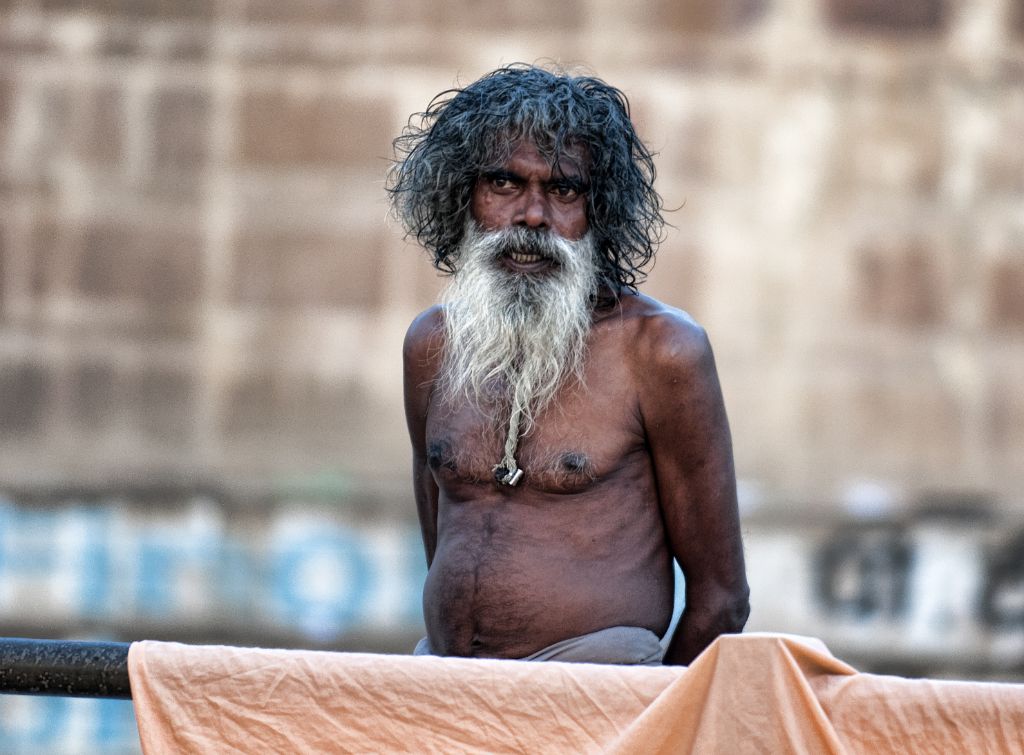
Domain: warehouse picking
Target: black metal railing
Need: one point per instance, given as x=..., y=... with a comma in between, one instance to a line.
x=64, y=667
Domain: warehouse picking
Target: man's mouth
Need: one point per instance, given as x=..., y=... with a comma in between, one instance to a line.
x=525, y=259
x=525, y=251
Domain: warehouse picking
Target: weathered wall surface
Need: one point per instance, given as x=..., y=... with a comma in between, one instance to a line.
x=199, y=279
x=200, y=289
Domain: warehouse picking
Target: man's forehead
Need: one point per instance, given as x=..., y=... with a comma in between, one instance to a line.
x=572, y=159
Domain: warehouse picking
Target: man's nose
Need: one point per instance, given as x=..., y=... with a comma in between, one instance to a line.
x=534, y=212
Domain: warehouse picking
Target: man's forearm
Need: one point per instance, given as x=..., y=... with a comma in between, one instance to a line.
x=701, y=624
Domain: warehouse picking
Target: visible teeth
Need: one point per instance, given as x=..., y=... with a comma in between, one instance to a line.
x=525, y=259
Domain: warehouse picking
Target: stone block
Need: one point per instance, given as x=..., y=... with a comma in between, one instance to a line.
x=299, y=411
x=131, y=9
x=85, y=123
x=324, y=427
x=901, y=422
x=55, y=107
x=1005, y=425
x=155, y=265
x=253, y=405
x=181, y=43
x=1002, y=161
x=180, y=127
x=1005, y=294
x=893, y=143
x=24, y=394
x=315, y=130
x=6, y=108
x=3, y=268
x=900, y=283
x=567, y=16
x=100, y=123
x=465, y=16
x=702, y=17
x=95, y=396
x=306, y=269
x=48, y=249
x=679, y=278
x=13, y=43
x=165, y=405
x=906, y=17
x=428, y=281
x=695, y=143
x=315, y=12
x=686, y=140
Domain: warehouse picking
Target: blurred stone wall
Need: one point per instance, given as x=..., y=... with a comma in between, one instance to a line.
x=202, y=303
x=198, y=279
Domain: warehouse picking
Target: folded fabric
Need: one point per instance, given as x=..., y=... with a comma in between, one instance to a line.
x=746, y=693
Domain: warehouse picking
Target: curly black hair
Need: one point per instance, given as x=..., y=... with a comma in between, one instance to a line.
x=465, y=132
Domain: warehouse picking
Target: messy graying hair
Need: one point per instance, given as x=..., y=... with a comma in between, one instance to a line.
x=464, y=133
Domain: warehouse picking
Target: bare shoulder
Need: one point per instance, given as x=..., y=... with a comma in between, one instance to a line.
x=424, y=337
x=666, y=341
x=421, y=356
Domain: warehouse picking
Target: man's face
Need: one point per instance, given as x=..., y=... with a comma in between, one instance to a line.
x=528, y=192
x=518, y=311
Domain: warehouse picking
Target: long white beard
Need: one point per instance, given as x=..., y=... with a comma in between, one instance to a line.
x=513, y=340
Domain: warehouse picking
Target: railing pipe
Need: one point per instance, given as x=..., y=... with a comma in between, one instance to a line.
x=64, y=667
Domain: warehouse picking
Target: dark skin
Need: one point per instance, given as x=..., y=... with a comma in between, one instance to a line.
x=622, y=475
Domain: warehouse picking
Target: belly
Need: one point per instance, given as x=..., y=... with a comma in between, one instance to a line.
x=508, y=581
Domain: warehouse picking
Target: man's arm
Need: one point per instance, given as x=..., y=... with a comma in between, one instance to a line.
x=421, y=359
x=691, y=448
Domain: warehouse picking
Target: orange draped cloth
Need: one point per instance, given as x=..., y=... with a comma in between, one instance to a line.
x=754, y=693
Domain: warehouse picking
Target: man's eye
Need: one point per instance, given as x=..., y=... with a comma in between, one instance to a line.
x=501, y=183
x=565, y=191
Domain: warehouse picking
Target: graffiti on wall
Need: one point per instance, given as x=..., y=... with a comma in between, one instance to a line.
x=302, y=570
x=934, y=593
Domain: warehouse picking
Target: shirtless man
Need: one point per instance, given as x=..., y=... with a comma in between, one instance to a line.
x=569, y=436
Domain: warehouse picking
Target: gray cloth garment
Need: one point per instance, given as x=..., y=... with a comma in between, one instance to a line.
x=631, y=646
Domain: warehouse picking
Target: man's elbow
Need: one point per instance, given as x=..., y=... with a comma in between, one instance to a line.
x=730, y=609
x=736, y=611
x=707, y=615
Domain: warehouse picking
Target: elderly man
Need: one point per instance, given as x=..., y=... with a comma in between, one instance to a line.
x=569, y=436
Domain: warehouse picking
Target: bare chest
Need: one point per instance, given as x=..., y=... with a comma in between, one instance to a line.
x=585, y=436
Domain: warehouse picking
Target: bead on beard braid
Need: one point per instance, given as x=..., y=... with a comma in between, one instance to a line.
x=507, y=477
